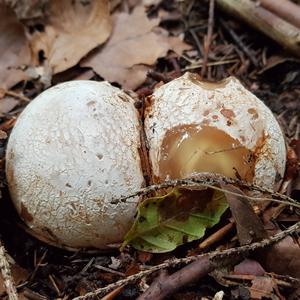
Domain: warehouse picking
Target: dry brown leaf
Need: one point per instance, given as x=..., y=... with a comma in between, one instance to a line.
x=14, y=50
x=283, y=258
x=134, y=45
x=249, y=227
x=72, y=29
x=7, y=104
x=262, y=287
x=249, y=267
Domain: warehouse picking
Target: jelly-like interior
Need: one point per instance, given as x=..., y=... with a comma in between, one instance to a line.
x=188, y=149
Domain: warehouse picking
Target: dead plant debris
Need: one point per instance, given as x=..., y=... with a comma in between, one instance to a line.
x=139, y=45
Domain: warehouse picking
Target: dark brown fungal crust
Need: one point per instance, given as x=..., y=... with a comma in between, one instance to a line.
x=25, y=215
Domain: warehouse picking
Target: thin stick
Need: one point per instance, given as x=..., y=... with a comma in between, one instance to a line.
x=208, y=37
x=7, y=276
x=216, y=236
x=166, y=285
x=214, y=255
x=285, y=9
x=263, y=20
x=17, y=96
x=240, y=43
x=209, y=180
x=196, y=39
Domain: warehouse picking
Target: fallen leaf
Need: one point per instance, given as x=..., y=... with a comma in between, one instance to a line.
x=135, y=45
x=283, y=258
x=183, y=215
x=249, y=227
x=7, y=104
x=72, y=29
x=262, y=287
x=14, y=49
x=249, y=267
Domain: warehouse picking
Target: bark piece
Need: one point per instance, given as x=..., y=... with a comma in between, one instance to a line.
x=263, y=20
x=285, y=9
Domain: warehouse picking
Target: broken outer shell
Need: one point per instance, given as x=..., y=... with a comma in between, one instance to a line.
x=73, y=149
x=194, y=126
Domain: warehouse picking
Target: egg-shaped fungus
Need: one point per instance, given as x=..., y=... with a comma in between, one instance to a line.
x=195, y=126
x=73, y=149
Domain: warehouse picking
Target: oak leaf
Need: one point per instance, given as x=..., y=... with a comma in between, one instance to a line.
x=71, y=30
x=135, y=44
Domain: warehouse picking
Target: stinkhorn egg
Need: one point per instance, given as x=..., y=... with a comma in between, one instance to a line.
x=76, y=147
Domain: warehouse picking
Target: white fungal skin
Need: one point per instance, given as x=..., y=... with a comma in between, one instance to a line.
x=187, y=101
x=72, y=150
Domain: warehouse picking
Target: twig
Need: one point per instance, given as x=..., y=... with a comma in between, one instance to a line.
x=7, y=276
x=216, y=236
x=249, y=229
x=16, y=95
x=240, y=43
x=29, y=294
x=276, y=28
x=109, y=270
x=208, y=37
x=31, y=277
x=197, y=41
x=243, y=250
x=165, y=285
x=285, y=9
x=113, y=293
x=247, y=277
x=209, y=180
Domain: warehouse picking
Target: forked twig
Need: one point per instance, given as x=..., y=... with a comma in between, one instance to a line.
x=214, y=255
x=210, y=180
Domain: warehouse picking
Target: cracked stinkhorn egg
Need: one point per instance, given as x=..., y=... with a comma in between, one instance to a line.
x=76, y=147
x=194, y=126
x=73, y=149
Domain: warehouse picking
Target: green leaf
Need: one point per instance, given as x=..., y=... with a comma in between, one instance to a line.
x=163, y=223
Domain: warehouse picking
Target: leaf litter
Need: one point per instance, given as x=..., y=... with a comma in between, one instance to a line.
x=181, y=216
x=14, y=49
x=70, y=31
x=99, y=37
x=135, y=44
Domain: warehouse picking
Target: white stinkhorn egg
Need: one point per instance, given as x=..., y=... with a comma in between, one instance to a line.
x=194, y=126
x=74, y=149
